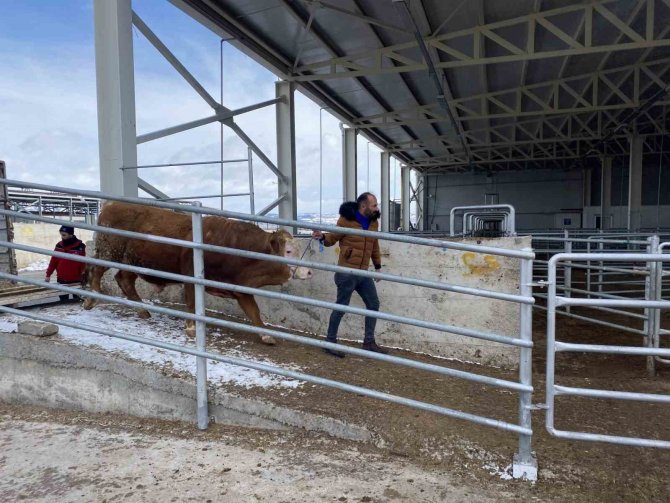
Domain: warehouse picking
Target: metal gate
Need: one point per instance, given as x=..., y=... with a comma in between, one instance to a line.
x=652, y=304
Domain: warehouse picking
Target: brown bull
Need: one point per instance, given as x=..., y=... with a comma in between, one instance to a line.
x=218, y=231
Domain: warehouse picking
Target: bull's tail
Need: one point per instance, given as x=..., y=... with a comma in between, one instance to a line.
x=84, y=276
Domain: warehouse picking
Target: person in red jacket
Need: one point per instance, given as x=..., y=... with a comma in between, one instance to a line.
x=67, y=271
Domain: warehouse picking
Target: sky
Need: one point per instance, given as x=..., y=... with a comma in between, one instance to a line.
x=48, y=117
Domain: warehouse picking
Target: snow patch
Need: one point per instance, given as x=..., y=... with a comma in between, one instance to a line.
x=162, y=328
x=40, y=265
x=494, y=469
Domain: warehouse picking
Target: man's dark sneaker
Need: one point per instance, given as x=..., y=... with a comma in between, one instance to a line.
x=334, y=352
x=372, y=346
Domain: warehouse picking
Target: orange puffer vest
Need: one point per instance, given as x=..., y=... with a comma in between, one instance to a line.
x=355, y=251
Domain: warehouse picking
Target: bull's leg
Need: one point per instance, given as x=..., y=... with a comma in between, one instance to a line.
x=126, y=281
x=95, y=276
x=250, y=308
x=189, y=299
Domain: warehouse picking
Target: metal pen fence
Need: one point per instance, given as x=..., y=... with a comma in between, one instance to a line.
x=649, y=349
x=612, y=279
x=524, y=464
x=659, y=292
x=477, y=218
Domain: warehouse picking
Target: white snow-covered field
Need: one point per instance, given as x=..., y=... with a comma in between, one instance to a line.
x=159, y=327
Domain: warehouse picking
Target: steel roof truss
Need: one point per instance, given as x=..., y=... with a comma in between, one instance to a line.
x=454, y=58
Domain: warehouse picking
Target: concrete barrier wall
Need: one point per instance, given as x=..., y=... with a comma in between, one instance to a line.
x=48, y=372
x=455, y=267
x=42, y=236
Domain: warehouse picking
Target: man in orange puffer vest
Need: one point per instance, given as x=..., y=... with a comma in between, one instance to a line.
x=67, y=271
x=356, y=253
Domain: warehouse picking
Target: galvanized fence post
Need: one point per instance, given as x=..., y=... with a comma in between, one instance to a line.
x=650, y=287
x=588, y=270
x=659, y=296
x=525, y=464
x=567, y=271
x=551, y=346
x=200, y=326
x=601, y=247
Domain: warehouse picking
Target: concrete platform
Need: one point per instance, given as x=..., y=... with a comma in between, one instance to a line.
x=80, y=370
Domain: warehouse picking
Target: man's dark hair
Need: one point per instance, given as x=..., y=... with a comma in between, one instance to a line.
x=363, y=197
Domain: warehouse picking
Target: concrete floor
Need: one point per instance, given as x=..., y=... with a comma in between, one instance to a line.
x=68, y=457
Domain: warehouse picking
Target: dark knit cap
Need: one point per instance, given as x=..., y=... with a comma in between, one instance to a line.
x=66, y=228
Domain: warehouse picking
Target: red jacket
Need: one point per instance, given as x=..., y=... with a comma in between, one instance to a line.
x=68, y=271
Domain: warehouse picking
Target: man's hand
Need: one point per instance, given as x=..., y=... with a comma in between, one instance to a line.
x=378, y=269
x=47, y=279
x=317, y=234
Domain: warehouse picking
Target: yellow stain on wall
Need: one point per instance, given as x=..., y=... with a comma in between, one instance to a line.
x=485, y=265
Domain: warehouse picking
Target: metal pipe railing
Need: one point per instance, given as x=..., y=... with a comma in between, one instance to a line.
x=610, y=280
x=553, y=346
x=492, y=207
x=288, y=261
x=179, y=278
x=492, y=381
x=400, y=238
x=524, y=387
x=275, y=370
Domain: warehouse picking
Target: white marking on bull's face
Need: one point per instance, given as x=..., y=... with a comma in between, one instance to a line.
x=293, y=251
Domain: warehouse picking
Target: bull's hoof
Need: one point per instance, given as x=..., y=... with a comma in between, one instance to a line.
x=90, y=303
x=266, y=339
x=144, y=314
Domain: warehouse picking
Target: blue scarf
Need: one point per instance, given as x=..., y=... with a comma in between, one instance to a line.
x=363, y=220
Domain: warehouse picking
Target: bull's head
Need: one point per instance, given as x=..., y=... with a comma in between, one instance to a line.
x=286, y=245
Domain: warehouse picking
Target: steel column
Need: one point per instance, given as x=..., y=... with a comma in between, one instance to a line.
x=288, y=208
x=420, y=196
x=635, y=183
x=385, y=206
x=117, y=136
x=349, y=169
x=405, y=196
x=605, y=192
x=586, y=194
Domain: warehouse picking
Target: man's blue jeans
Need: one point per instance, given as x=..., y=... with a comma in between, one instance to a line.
x=346, y=285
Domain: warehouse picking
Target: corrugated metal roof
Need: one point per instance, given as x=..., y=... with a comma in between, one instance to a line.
x=528, y=82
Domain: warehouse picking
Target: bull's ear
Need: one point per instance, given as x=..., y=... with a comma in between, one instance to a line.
x=277, y=242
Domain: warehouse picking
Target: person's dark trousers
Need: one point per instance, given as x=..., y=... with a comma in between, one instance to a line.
x=66, y=296
x=347, y=284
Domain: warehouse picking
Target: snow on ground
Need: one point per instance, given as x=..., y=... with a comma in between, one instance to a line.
x=40, y=265
x=159, y=327
x=495, y=470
